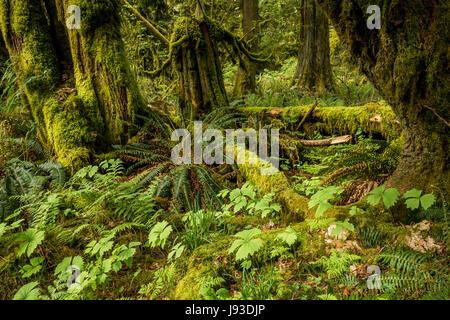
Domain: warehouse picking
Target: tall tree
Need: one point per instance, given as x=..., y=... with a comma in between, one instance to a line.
x=314, y=68
x=408, y=62
x=246, y=74
x=82, y=93
x=194, y=54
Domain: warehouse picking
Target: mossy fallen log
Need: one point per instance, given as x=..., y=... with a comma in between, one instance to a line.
x=269, y=179
x=294, y=206
x=372, y=118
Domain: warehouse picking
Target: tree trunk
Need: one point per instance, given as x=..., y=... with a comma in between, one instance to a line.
x=314, y=67
x=81, y=91
x=246, y=74
x=3, y=55
x=102, y=73
x=407, y=60
x=199, y=69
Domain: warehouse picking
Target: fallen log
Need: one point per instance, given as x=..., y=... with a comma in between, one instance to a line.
x=294, y=206
x=326, y=142
x=373, y=118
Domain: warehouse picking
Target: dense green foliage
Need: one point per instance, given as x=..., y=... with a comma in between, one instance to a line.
x=123, y=221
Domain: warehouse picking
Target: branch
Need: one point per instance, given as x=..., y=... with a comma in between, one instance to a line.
x=155, y=31
x=437, y=115
x=326, y=142
x=310, y=112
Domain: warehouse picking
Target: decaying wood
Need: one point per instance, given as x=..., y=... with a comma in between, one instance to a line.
x=326, y=142
x=310, y=112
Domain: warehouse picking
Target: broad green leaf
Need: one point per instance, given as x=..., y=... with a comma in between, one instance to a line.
x=427, y=201
x=28, y=292
x=223, y=294
x=246, y=246
x=248, y=234
x=376, y=195
x=412, y=203
x=248, y=249
x=289, y=236
x=412, y=194
x=322, y=208
x=390, y=197
x=32, y=268
x=234, y=194
x=30, y=238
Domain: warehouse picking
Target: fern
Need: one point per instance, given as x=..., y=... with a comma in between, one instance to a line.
x=370, y=159
x=370, y=237
x=411, y=273
x=337, y=263
x=191, y=186
x=402, y=261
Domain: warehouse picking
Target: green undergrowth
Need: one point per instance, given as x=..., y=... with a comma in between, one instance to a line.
x=99, y=235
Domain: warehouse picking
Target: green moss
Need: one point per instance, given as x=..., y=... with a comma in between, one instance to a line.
x=200, y=267
x=68, y=131
x=213, y=261
x=405, y=60
x=242, y=222
x=103, y=77
x=294, y=206
x=339, y=120
x=61, y=123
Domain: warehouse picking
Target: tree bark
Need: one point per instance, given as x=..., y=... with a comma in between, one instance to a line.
x=314, y=67
x=407, y=60
x=246, y=74
x=3, y=55
x=81, y=93
x=196, y=58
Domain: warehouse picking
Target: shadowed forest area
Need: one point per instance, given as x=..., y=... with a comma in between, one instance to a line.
x=120, y=178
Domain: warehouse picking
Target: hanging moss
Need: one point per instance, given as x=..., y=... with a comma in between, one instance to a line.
x=194, y=56
x=81, y=103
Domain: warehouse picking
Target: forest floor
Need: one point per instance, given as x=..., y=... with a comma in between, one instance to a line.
x=324, y=227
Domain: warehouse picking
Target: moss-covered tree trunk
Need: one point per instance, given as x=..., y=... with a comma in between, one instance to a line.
x=314, y=67
x=246, y=74
x=198, y=65
x=103, y=77
x=408, y=62
x=81, y=92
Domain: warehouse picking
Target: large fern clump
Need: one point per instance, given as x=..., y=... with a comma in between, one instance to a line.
x=365, y=167
x=190, y=186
